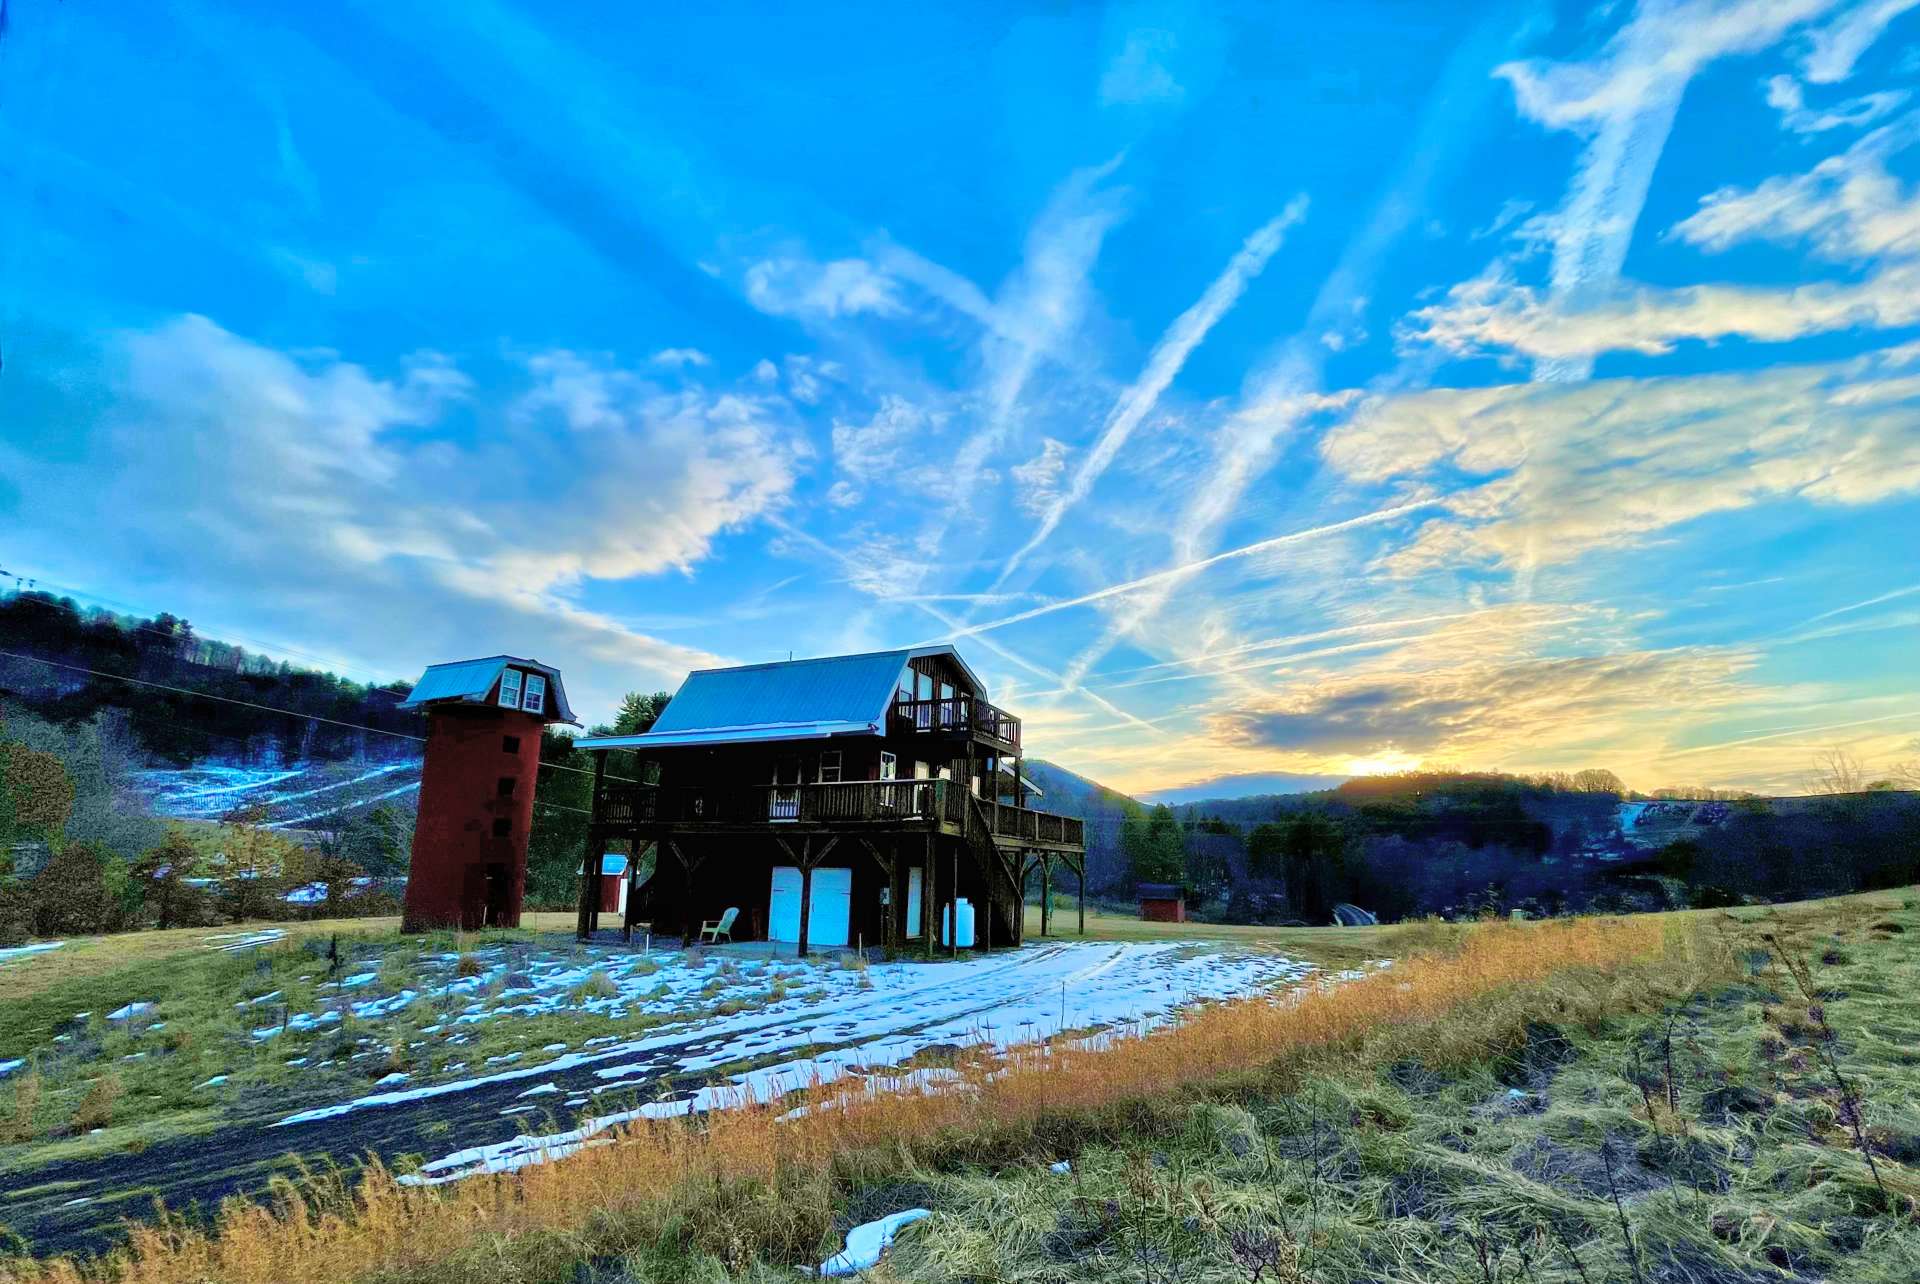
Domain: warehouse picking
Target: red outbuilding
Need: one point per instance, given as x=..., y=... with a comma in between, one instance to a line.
x=1163, y=902
x=484, y=719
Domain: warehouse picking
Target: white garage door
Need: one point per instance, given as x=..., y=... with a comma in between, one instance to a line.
x=832, y=906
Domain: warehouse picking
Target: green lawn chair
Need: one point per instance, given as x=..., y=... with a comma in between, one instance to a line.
x=714, y=929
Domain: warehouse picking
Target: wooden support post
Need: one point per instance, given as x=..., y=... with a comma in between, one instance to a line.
x=927, y=897
x=806, y=895
x=1046, y=894
x=689, y=917
x=590, y=858
x=1082, y=871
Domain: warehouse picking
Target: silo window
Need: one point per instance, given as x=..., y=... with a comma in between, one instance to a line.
x=535, y=700
x=509, y=744
x=510, y=688
x=506, y=787
x=501, y=827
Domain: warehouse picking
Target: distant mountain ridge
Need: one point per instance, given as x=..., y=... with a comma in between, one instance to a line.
x=1071, y=794
x=1243, y=786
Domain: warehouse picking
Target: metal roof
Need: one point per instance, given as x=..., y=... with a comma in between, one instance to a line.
x=786, y=700
x=473, y=681
x=611, y=863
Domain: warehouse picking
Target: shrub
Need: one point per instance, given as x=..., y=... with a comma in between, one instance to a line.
x=18, y=1125
x=96, y=1108
x=69, y=895
x=597, y=985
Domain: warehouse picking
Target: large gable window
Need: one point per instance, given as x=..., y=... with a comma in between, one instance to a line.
x=510, y=688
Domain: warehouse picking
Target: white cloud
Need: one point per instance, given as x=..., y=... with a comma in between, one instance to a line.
x=1624, y=101
x=1834, y=49
x=1546, y=474
x=677, y=357
x=882, y=448
x=1039, y=477
x=1138, y=74
x=1510, y=212
x=1785, y=96
x=353, y=497
x=1847, y=207
x=806, y=289
x=765, y=371
x=1648, y=58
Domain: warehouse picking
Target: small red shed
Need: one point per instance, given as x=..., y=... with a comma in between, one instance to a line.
x=484, y=719
x=1163, y=902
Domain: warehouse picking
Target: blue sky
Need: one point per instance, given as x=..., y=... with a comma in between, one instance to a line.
x=1246, y=390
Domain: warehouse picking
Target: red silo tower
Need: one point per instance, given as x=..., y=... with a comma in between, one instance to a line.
x=484, y=719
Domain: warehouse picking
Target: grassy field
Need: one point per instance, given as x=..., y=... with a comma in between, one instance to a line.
x=1327, y=946
x=91, y=1085
x=1704, y=1097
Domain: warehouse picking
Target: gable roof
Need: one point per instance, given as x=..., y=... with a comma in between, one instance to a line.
x=473, y=681
x=836, y=695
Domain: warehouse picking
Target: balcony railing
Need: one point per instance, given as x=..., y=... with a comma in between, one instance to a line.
x=961, y=714
x=878, y=802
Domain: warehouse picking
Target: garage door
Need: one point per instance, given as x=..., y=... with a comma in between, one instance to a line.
x=832, y=906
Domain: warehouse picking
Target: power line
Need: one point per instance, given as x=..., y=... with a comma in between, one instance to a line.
x=333, y=665
x=267, y=708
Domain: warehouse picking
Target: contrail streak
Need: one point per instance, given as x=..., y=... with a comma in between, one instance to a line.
x=1189, y=568
x=1909, y=591
x=1164, y=363
x=956, y=629
x=1795, y=731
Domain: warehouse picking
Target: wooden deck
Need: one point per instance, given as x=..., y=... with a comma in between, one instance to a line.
x=939, y=806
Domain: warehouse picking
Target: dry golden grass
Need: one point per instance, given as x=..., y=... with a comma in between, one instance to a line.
x=747, y=1176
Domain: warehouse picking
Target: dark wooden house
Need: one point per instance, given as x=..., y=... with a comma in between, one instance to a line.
x=839, y=801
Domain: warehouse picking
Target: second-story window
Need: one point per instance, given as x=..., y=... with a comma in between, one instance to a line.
x=830, y=768
x=535, y=700
x=510, y=688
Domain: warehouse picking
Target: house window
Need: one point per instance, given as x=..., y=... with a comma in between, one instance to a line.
x=830, y=768
x=505, y=787
x=509, y=744
x=889, y=765
x=535, y=701
x=502, y=827
x=925, y=688
x=510, y=688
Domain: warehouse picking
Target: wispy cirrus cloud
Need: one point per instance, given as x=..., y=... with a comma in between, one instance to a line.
x=1549, y=474
x=1851, y=208
x=1785, y=95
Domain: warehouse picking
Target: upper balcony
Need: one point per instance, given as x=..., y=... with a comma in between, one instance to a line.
x=959, y=715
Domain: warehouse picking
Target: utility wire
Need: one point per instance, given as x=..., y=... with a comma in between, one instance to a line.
x=266, y=708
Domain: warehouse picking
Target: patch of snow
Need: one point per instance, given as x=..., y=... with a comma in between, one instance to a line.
x=865, y=1243
x=130, y=1011
x=1064, y=1166
x=8, y=1067
x=542, y=1090
x=214, y=1082
x=389, y=1080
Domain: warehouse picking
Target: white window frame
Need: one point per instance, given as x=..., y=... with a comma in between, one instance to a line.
x=533, y=696
x=889, y=764
x=510, y=688
x=830, y=761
